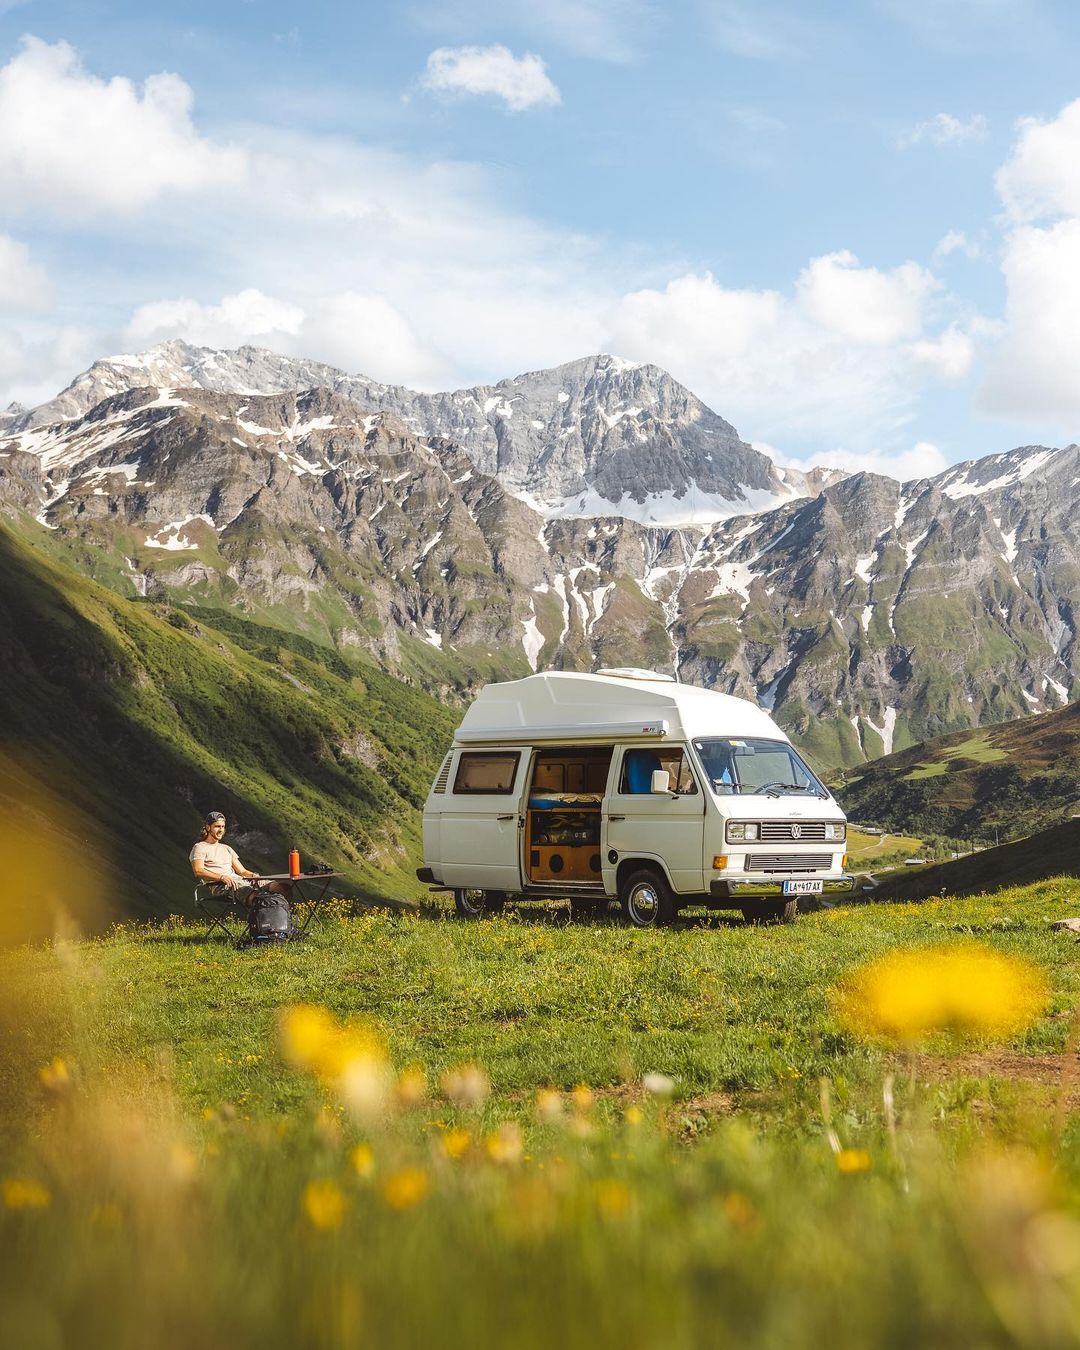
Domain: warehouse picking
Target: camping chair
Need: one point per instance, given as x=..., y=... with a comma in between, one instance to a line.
x=219, y=907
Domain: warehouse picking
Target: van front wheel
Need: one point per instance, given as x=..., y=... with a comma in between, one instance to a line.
x=474, y=904
x=645, y=899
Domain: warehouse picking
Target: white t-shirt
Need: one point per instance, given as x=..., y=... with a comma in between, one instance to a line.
x=217, y=858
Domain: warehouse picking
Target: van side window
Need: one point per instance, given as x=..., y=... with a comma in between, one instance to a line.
x=490, y=771
x=638, y=767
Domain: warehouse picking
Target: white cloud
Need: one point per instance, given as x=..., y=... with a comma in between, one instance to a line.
x=921, y=460
x=521, y=82
x=862, y=303
x=36, y=365
x=1035, y=371
x=843, y=357
x=417, y=272
x=359, y=333
x=23, y=284
x=72, y=142
x=945, y=129
x=955, y=241
x=1041, y=177
x=249, y=316
x=366, y=333
x=950, y=356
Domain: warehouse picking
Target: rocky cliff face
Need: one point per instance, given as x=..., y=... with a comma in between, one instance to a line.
x=598, y=436
x=875, y=614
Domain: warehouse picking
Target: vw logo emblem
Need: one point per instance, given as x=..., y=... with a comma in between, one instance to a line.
x=796, y=831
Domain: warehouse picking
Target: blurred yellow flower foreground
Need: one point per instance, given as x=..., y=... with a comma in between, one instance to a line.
x=351, y=1059
x=965, y=989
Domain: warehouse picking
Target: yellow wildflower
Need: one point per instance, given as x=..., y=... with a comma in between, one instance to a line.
x=966, y=989
x=412, y=1086
x=324, y=1205
x=351, y=1059
x=362, y=1158
x=21, y=1193
x=612, y=1198
x=55, y=1076
x=306, y=1034
x=850, y=1160
x=549, y=1105
x=634, y=1115
x=505, y=1146
x=456, y=1142
x=406, y=1188
x=466, y=1085
x=582, y=1097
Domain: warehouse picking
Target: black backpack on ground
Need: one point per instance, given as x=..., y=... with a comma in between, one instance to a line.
x=270, y=919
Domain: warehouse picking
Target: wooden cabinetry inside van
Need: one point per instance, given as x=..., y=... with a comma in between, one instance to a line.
x=562, y=822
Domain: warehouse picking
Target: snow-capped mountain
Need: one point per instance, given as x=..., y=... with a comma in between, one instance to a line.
x=872, y=615
x=595, y=437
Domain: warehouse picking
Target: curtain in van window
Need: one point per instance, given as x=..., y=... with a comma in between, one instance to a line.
x=490, y=771
x=638, y=766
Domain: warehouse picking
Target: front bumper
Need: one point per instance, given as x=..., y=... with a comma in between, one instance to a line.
x=741, y=888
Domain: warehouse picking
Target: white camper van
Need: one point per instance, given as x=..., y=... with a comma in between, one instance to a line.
x=627, y=785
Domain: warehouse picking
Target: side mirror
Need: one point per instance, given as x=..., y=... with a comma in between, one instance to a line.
x=661, y=781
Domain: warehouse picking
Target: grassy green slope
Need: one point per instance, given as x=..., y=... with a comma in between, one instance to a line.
x=1016, y=777
x=125, y=721
x=1050, y=853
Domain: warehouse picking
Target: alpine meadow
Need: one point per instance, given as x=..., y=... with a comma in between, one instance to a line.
x=539, y=669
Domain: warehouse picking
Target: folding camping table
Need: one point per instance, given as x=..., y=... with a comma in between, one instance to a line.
x=309, y=893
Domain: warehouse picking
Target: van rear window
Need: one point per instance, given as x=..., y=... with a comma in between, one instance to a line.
x=490, y=771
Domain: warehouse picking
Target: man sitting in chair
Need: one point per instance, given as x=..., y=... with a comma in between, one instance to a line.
x=215, y=862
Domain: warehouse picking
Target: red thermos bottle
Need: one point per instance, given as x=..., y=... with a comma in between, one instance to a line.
x=294, y=862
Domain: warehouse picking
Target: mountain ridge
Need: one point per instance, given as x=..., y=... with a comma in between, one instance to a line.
x=870, y=616
x=593, y=436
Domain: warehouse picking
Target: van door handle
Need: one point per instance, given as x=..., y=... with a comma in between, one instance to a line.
x=510, y=817
x=616, y=817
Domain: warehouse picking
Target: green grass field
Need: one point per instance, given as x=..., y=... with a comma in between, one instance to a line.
x=529, y=1131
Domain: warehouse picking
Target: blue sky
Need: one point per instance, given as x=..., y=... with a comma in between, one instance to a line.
x=852, y=228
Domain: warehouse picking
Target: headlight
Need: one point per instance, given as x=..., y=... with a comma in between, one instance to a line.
x=835, y=830
x=739, y=831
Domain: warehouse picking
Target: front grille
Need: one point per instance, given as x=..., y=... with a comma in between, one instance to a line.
x=781, y=831
x=788, y=862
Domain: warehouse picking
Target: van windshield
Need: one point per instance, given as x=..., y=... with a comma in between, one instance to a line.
x=748, y=766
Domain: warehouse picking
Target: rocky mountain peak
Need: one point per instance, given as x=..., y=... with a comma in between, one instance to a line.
x=594, y=436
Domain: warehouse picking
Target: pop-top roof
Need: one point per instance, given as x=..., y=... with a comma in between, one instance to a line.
x=566, y=705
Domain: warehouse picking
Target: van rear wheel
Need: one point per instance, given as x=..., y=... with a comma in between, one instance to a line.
x=778, y=911
x=645, y=899
x=474, y=904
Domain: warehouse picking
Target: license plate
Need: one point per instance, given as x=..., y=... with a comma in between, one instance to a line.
x=802, y=887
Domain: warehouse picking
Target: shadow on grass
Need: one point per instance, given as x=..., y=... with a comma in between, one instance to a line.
x=561, y=914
